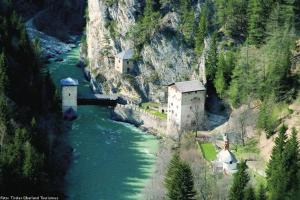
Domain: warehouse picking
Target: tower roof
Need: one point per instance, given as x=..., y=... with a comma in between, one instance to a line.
x=189, y=86
x=126, y=55
x=226, y=156
x=69, y=82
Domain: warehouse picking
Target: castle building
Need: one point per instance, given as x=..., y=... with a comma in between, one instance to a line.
x=185, y=106
x=226, y=160
x=124, y=62
x=69, y=97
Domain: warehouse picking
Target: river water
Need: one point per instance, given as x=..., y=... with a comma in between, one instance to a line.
x=112, y=160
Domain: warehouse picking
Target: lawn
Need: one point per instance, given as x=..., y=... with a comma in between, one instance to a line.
x=147, y=107
x=251, y=147
x=208, y=151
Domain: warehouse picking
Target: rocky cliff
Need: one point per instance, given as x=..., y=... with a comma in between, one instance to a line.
x=164, y=59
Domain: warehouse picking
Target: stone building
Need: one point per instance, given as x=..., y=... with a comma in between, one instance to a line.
x=124, y=62
x=185, y=107
x=226, y=161
x=69, y=97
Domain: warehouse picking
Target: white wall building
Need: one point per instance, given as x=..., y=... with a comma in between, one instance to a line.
x=124, y=62
x=185, y=106
x=226, y=160
x=69, y=96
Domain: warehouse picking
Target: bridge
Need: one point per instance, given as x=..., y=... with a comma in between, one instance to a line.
x=97, y=99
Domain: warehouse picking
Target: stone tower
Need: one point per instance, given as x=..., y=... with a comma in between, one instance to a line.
x=69, y=97
x=185, y=107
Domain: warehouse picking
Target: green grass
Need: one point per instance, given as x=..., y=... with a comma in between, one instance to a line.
x=208, y=151
x=250, y=147
x=148, y=107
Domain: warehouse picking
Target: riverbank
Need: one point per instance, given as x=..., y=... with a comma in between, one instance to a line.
x=145, y=121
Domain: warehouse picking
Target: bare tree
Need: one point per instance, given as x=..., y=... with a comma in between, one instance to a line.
x=198, y=114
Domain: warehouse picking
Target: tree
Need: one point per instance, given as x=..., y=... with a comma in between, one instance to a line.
x=291, y=160
x=219, y=80
x=249, y=193
x=175, y=161
x=32, y=162
x=3, y=75
x=187, y=20
x=276, y=169
x=179, y=180
x=201, y=33
x=212, y=59
x=297, y=14
x=257, y=22
x=240, y=181
x=261, y=193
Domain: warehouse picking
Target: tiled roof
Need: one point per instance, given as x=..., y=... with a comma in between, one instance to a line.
x=125, y=55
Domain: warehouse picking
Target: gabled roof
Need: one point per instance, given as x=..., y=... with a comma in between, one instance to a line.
x=189, y=86
x=226, y=156
x=126, y=55
x=68, y=82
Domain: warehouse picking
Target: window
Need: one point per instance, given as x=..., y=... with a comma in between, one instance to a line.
x=127, y=62
x=69, y=94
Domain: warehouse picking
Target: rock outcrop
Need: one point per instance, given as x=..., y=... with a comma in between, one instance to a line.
x=163, y=60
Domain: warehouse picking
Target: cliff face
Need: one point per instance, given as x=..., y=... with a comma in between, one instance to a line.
x=163, y=60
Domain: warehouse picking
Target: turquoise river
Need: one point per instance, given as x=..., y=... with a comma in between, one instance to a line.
x=112, y=160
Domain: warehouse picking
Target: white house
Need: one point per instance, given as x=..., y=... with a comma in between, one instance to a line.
x=124, y=62
x=226, y=160
x=69, y=97
x=185, y=106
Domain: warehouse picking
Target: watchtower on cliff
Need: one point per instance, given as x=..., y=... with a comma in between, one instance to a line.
x=69, y=97
x=124, y=61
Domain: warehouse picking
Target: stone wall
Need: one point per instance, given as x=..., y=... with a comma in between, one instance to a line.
x=139, y=117
x=69, y=98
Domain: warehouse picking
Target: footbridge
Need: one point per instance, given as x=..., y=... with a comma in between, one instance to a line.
x=97, y=99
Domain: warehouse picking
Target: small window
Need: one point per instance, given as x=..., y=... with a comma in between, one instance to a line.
x=69, y=94
x=127, y=62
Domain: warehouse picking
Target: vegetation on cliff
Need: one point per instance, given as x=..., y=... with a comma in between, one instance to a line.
x=27, y=101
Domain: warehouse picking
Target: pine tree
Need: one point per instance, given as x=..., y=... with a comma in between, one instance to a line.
x=240, y=181
x=175, y=161
x=276, y=168
x=297, y=14
x=256, y=27
x=185, y=177
x=3, y=75
x=201, y=33
x=291, y=160
x=212, y=59
x=261, y=193
x=249, y=193
x=31, y=163
x=219, y=81
x=179, y=180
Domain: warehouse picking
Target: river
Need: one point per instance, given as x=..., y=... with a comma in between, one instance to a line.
x=112, y=160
